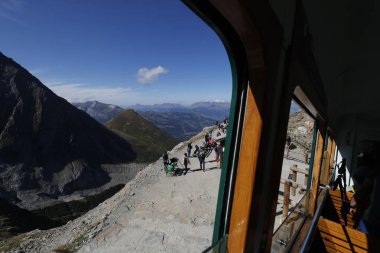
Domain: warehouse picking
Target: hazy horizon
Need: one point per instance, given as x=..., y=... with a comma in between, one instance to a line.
x=171, y=103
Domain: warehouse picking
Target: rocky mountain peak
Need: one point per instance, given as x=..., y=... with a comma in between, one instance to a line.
x=46, y=144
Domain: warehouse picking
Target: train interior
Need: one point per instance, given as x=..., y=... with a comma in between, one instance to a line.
x=324, y=56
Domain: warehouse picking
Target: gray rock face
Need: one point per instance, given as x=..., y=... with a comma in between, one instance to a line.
x=300, y=129
x=46, y=144
x=99, y=111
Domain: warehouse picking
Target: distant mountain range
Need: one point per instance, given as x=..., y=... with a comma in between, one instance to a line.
x=212, y=110
x=179, y=121
x=181, y=125
x=149, y=142
x=183, y=122
x=99, y=111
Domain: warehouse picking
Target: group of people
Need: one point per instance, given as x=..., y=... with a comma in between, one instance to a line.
x=201, y=153
x=222, y=127
x=209, y=141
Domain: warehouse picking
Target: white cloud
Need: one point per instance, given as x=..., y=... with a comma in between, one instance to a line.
x=76, y=92
x=12, y=5
x=148, y=76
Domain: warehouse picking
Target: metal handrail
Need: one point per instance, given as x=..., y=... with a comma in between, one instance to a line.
x=310, y=233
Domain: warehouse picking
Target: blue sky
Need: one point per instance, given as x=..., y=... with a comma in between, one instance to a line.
x=117, y=51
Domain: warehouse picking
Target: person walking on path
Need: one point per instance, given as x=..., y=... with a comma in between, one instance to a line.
x=165, y=159
x=189, y=147
x=202, y=158
x=186, y=161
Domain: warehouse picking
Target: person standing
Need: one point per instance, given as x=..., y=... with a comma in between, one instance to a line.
x=189, y=147
x=367, y=192
x=218, y=133
x=217, y=150
x=165, y=159
x=206, y=139
x=186, y=161
x=196, y=151
x=202, y=158
x=287, y=146
x=221, y=155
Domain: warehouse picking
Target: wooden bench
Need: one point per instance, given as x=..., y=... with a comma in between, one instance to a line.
x=339, y=238
x=336, y=200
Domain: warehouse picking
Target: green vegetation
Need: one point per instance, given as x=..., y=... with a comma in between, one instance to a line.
x=148, y=141
x=63, y=212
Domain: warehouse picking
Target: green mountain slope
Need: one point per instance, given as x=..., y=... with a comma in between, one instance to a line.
x=148, y=141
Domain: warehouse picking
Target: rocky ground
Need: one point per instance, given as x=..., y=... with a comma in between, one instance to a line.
x=152, y=213
x=119, y=174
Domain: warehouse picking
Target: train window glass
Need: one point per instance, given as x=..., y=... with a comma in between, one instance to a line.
x=160, y=80
x=292, y=197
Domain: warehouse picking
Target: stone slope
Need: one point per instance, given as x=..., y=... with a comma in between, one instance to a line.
x=152, y=213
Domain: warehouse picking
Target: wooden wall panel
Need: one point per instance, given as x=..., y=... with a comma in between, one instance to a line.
x=245, y=176
x=326, y=163
x=316, y=171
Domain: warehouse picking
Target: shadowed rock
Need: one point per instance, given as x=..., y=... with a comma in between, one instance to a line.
x=46, y=144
